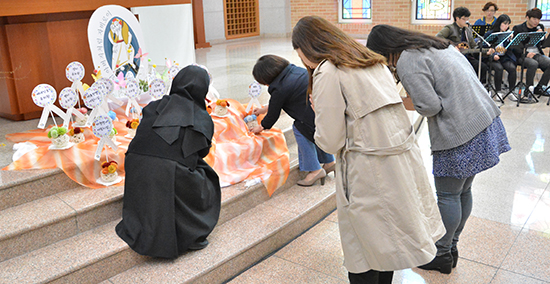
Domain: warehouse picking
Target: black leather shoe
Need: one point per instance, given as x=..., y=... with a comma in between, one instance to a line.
x=442, y=263
x=454, y=253
x=540, y=92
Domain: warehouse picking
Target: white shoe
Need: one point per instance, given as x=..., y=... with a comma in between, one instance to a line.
x=513, y=97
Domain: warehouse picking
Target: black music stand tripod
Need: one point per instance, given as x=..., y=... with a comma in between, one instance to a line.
x=525, y=40
x=480, y=44
x=494, y=40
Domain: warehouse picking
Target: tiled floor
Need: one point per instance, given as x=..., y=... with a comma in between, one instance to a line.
x=507, y=239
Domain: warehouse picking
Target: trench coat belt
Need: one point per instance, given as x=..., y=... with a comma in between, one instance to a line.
x=375, y=151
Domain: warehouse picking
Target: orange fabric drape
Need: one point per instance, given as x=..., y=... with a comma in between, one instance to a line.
x=236, y=155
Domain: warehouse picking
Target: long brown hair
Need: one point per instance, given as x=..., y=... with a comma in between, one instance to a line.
x=318, y=39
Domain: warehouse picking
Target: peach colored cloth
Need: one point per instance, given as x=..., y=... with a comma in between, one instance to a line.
x=236, y=155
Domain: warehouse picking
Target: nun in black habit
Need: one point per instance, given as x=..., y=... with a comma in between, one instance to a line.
x=172, y=196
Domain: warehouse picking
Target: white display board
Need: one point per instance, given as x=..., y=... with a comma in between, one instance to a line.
x=168, y=30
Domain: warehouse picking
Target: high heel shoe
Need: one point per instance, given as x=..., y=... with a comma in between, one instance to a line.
x=454, y=253
x=329, y=167
x=443, y=263
x=310, y=180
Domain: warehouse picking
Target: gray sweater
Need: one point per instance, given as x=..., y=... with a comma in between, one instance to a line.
x=444, y=88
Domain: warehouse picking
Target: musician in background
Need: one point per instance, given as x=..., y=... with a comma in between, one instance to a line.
x=503, y=59
x=534, y=58
x=460, y=34
x=489, y=9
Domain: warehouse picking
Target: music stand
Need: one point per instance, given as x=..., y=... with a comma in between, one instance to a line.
x=481, y=30
x=524, y=40
x=494, y=40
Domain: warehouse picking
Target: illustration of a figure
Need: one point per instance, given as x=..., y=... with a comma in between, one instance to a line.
x=123, y=51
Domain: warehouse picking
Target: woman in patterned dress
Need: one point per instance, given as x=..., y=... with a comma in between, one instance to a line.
x=466, y=133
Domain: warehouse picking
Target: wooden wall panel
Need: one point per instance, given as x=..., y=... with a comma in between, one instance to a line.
x=31, y=7
x=69, y=45
x=7, y=87
x=30, y=57
x=38, y=38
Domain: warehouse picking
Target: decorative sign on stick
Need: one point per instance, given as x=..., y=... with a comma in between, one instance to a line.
x=67, y=100
x=101, y=127
x=157, y=88
x=254, y=91
x=75, y=72
x=107, y=86
x=93, y=98
x=132, y=91
x=44, y=96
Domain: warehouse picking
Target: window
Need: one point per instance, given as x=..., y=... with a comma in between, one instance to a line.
x=354, y=11
x=432, y=12
x=544, y=5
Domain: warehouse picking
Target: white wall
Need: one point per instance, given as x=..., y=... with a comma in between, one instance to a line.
x=274, y=19
x=168, y=33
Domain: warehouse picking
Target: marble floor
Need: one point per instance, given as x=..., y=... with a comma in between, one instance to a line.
x=506, y=240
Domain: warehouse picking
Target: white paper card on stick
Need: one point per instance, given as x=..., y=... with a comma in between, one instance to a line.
x=254, y=91
x=67, y=98
x=43, y=95
x=101, y=127
x=132, y=89
x=106, y=85
x=74, y=71
x=173, y=71
x=157, y=88
x=93, y=97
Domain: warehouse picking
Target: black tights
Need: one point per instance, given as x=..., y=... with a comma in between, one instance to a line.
x=371, y=277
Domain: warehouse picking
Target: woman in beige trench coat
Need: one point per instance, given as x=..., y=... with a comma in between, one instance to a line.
x=387, y=213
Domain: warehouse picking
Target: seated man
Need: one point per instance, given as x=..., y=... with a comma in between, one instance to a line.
x=459, y=32
x=534, y=58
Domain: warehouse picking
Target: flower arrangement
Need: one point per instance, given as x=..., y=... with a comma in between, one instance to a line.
x=59, y=136
x=132, y=126
x=77, y=135
x=221, y=107
x=109, y=171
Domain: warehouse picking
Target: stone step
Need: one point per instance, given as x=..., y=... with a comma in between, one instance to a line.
x=19, y=187
x=97, y=254
x=242, y=241
x=45, y=221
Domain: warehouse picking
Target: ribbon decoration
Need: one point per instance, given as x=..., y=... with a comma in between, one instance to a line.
x=107, y=87
x=101, y=127
x=254, y=91
x=44, y=95
x=67, y=100
x=132, y=91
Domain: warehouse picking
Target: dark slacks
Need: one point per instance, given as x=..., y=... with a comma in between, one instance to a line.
x=371, y=277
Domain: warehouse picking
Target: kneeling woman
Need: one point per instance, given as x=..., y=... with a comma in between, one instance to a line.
x=172, y=196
